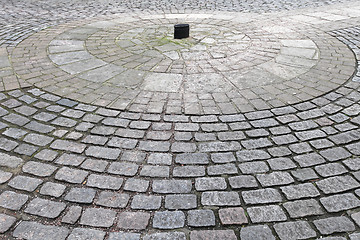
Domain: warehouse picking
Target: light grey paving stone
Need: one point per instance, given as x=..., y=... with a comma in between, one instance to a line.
x=154, y=146
x=334, y=225
x=38, y=139
x=71, y=175
x=232, y=216
x=210, y=183
x=253, y=167
x=356, y=218
x=38, y=169
x=192, y=158
x=104, y=182
x=95, y=165
x=337, y=184
x=7, y=145
x=305, y=190
x=268, y=213
x=220, y=198
x=133, y=220
x=180, y=201
x=6, y=222
x=146, y=202
x=303, y=208
x=103, y=152
x=28, y=184
x=52, y=189
x=172, y=186
x=304, y=174
x=13, y=201
x=72, y=215
x=219, y=146
x=223, y=157
x=14, y=133
x=80, y=195
x=183, y=147
x=258, y=232
x=250, y=155
x=310, y=159
x=37, y=231
x=124, y=236
x=160, y=158
x=353, y=163
x=133, y=156
x=112, y=199
x=168, y=220
x=123, y=168
x=136, y=185
x=243, y=181
x=66, y=145
x=330, y=169
x=86, y=234
x=155, y=171
x=189, y=171
x=165, y=235
x=275, y=179
x=260, y=196
x=98, y=217
x=41, y=128
x=222, y=169
x=69, y=159
x=45, y=208
x=200, y=218
x=281, y=164
x=5, y=176
x=340, y=202
x=212, y=235
x=353, y=236
x=294, y=230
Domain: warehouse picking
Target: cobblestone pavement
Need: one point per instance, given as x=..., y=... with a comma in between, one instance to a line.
x=110, y=129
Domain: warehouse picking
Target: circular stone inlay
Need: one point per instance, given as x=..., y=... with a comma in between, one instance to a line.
x=225, y=66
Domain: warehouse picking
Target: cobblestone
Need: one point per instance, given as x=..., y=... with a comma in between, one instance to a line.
x=109, y=123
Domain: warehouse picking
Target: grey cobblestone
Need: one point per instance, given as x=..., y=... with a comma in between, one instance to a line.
x=169, y=220
x=269, y=213
x=303, y=208
x=307, y=152
x=28, y=184
x=33, y=230
x=98, y=217
x=334, y=225
x=13, y=201
x=45, y=208
x=201, y=218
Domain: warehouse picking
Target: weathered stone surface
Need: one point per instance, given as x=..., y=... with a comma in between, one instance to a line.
x=98, y=217
x=45, y=208
x=200, y=218
x=36, y=231
x=169, y=220
x=259, y=232
x=133, y=220
x=231, y=216
x=334, y=225
x=6, y=222
x=213, y=235
x=269, y=213
x=220, y=198
x=294, y=230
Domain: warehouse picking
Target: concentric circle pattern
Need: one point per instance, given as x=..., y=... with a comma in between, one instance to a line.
x=249, y=129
